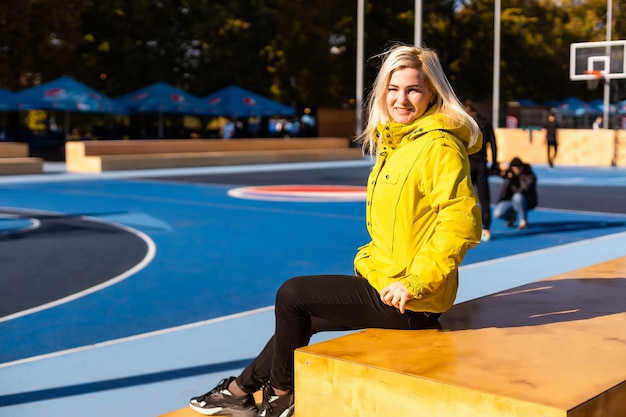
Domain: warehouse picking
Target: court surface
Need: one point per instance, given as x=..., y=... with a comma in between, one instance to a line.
x=126, y=293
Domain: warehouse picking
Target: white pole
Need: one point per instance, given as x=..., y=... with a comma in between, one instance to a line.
x=359, y=67
x=496, y=66
x=607, y=84
x=418, y=23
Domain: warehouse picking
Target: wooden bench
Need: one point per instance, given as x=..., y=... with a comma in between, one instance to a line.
x=98, y=156
x=553, y=348
x=14, y=159
x=556, y=347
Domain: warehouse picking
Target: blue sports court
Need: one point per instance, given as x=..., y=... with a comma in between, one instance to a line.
x=126, y=293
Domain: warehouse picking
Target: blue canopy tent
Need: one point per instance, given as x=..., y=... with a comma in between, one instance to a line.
x=7, y=103
x=69, y=95
x=551, y=103
x=573, y=106
x=7, y=100
x=596, y=107
x=162, y=98
x=238, y=102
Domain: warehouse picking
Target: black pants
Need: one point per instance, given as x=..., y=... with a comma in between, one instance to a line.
x=311, y=304
x=480, y=178
x=552, y=148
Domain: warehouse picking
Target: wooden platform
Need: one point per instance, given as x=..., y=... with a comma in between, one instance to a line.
x=98, y=156
x=553, y=348
x=578, y=147
x=14, y=160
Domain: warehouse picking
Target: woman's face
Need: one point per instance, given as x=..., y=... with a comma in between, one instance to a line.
x=408, y=95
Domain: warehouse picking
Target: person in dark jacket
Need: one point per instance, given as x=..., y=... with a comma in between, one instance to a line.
x=480, y=171
x=519, y=194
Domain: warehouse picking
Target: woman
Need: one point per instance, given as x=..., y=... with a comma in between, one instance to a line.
x=422, y=217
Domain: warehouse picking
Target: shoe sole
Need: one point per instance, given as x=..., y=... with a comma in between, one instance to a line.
x=288, y=412
x=220, y=411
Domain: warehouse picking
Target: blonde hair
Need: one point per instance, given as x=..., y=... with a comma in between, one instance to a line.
x=427, y=61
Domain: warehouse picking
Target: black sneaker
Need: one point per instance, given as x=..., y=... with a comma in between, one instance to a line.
x=221, y=401
x=275, y=405
x=511, y=221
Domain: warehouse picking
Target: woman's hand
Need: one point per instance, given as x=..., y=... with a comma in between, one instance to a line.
x=396, y=295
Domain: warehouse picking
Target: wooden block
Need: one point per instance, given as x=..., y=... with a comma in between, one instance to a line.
x=22, y=165
x=553, y=348
x=13, y=150
x=159, y=146
x=95, y=164
x=98, y=156
x=581, y=147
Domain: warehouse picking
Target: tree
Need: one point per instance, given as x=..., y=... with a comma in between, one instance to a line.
x=295, y=51
x=39, y=41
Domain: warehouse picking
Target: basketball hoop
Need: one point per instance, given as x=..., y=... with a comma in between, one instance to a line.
x=592, y=84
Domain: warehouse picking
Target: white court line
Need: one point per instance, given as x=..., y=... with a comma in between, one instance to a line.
x=150, y=253
x=579, y=212
x=152, y=173
x=57, y=173
x=34, y=224
x=477, y=280
x=140, y=336
x=495, y=267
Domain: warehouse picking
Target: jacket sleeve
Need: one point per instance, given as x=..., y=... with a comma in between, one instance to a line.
x=528, y=187
x=526, y=183
x=506, y=190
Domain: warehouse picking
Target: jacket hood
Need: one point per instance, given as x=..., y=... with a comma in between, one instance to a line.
x=432, y=120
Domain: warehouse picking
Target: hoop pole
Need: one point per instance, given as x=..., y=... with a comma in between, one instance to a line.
x=607, y=84
x=495, y=105
x=417, y=29
x=359, y=65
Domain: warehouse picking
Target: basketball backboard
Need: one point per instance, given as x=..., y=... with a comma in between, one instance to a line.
x=608, y=57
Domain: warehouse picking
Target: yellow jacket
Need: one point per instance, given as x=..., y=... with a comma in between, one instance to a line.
x=422, y=214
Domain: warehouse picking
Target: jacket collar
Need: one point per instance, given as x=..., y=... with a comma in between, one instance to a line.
x=391, y=134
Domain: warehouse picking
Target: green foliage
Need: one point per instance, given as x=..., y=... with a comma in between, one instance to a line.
x=295, y=51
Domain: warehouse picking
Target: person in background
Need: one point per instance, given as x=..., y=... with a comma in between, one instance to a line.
x=421, y=214
x=480, y=171
x=597, y=123
x=518, y=195
x=552, y=143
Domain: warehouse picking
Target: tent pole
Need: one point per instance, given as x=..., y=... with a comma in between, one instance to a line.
x=66, y=123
